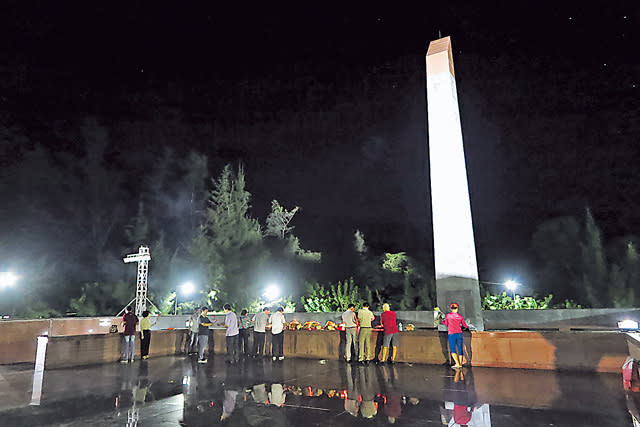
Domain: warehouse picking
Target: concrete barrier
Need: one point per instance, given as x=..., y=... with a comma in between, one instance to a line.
x=81, y=350
x=18, y=340
x=549, y=350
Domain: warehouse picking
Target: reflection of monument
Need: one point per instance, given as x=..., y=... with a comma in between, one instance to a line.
x=454, y=245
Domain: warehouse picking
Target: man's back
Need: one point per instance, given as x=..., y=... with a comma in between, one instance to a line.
x=130, y=320
x=365, y=317
x=261, y=320
x=231, y=320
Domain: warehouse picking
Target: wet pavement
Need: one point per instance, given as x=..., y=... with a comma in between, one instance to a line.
x=173, y=391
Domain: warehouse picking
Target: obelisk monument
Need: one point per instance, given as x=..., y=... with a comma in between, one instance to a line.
x=454, y=245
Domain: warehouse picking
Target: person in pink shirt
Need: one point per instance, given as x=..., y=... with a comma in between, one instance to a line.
x=454, y=323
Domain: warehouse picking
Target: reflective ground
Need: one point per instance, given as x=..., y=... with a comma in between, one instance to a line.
x=173, y=391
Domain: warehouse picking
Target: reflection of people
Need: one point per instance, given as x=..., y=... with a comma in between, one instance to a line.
x=277, y=334
x=259, y=393
x=461, y=403
x=193, y=329
x=393, y=403
x=454, y=322
x=365, y=317
x=229, y=403
x=145, y=334
x=203, y=333
x=350, y=323
x=129, y=323
x=352, y=400
x=390, y=337
x=260, y=321
x=368, y=408
x=276, y=395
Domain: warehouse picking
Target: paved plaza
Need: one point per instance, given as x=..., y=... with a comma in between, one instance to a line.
x=173, y=391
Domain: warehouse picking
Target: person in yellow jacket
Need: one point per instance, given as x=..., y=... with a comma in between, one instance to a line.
x=145, y=334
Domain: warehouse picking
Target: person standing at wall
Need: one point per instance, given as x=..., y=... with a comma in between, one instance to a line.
x=350, y=321
x=193, y=330
x=454, y=322
x=245, y=331
x=390, y=337
x=145, y=334
x=232, y=335
x=365, y=317
x=277, y=334
x=203, y=333
x=260, y=322
x=129, y=323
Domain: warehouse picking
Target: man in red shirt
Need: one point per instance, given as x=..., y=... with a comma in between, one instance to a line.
x=388, y=320
x=454, y=322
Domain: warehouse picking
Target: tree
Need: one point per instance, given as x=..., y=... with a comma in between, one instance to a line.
x=359, y=244
x=278, y=220
x=229, y=244
x=332, y=297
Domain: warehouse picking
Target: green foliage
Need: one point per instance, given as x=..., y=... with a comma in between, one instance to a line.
x=278, y=220
x=102, y=299
x=573, y=260
x=331, y=298
x=284, y=302
x=502, y=301
x=229, y=244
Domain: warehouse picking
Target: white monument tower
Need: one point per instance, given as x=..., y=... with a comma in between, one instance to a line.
x=454, y=245
x=142, y=258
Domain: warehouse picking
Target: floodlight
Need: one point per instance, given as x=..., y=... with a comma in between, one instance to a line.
x=511, y=285
x=187, y=288
x=272, y=292
x=628, y=325
x=7, y=279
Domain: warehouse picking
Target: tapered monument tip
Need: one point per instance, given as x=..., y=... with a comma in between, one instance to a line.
x=439, y=57
x=439, y=45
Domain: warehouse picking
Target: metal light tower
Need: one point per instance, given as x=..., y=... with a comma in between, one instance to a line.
x=142, y=258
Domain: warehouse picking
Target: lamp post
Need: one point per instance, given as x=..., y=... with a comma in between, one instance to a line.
x=187, y=288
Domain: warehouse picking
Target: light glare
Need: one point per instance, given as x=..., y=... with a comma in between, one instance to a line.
x=272, y=292
x=511, y=285
x=7, y=279
x=187, y=288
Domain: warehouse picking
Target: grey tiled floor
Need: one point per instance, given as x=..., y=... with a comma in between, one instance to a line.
x=173, y=391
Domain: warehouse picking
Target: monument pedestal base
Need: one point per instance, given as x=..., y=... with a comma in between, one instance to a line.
x=465, y=292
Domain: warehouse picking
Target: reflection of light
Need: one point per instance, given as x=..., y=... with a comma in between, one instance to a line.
x=186, y=380
x=90, y=331
x=105, y=322
x=272, y=292
x=628, y=324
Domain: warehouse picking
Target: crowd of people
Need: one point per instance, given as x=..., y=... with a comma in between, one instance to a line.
x=357, y=326
x=238, y=333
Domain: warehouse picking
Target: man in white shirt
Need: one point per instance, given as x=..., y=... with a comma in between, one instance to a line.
x=277, y=334
x=260, y=322
x=350, y=324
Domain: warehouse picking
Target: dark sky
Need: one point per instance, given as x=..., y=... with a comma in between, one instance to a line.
x=325, y=105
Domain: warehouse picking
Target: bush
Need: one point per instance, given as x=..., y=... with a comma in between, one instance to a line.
x=503, y=301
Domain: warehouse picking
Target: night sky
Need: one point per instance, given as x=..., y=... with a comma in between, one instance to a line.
x=326, y=108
